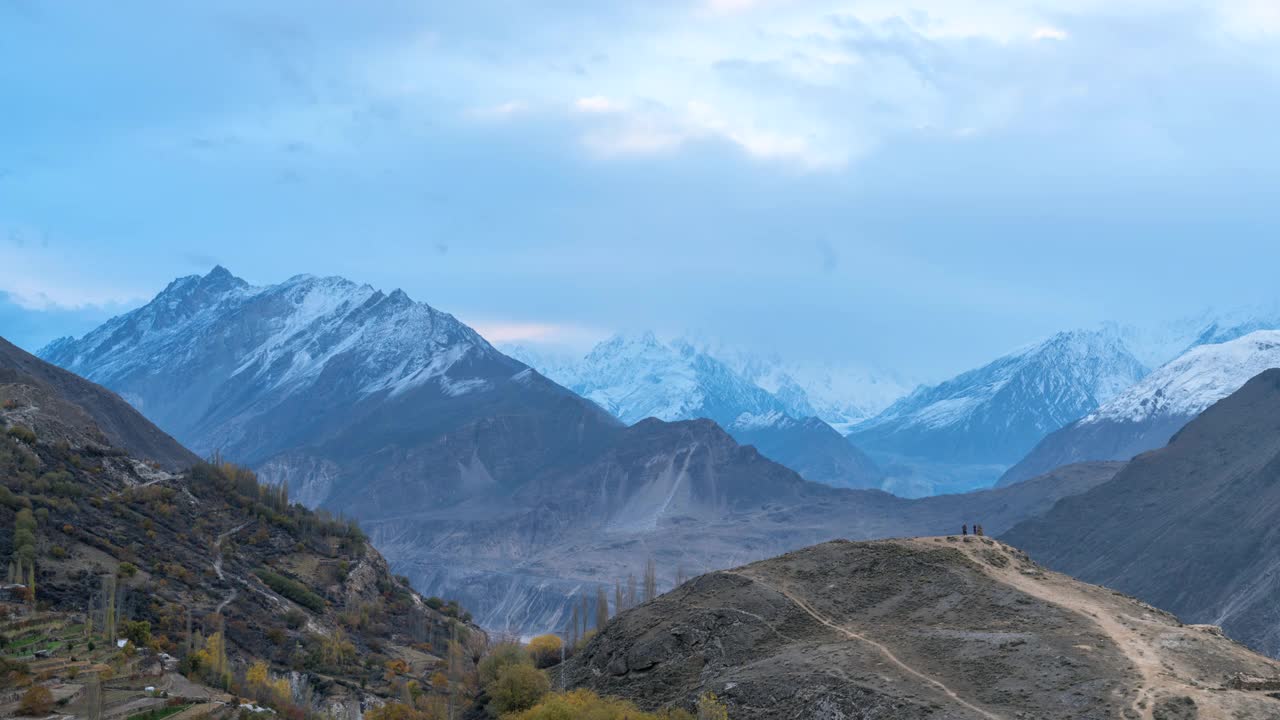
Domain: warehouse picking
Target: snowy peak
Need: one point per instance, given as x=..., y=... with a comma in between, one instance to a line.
x=214, y=341
x=635, y=377
x=1191, y=383
x=1145, y=416
x=997, y=412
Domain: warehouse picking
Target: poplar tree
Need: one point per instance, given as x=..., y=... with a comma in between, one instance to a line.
x=602, y=608
x=650, y=580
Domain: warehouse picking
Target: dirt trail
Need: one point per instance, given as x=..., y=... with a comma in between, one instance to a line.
x=1136, y=638
x=217, y=566
x=804, y=606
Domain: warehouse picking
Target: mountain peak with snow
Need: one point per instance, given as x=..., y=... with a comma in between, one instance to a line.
x=272, y=341
x=995, y=413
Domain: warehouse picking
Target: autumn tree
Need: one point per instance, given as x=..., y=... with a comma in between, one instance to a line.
x=36, y=701
x=518, y=688
x=710, y=707
x=545, y=650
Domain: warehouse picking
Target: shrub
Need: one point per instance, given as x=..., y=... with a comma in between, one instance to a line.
x=23, y=433
x=518, y=688
x=291, y=589
x=37, y=701
x=545, y=650
x=586, y=704
x=127, y=569
x=499, y=658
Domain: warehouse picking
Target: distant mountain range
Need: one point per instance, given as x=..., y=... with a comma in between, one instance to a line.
x=475, y=475
x=1146, y=415
x=993, y=415
x=1191, y=527
x=641, y=377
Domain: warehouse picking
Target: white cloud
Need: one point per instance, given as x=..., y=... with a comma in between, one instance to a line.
x=597, y=104
x=1048, y=33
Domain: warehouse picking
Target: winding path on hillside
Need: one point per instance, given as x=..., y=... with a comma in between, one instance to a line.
x=888, y=654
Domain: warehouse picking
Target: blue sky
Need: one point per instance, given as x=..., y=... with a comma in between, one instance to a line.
x=912, y=185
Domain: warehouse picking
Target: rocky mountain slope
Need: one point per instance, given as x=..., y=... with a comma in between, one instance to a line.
x=1191, y=527
x=996, y=413
x=1146, y=415
x=206, y=550
x=80, y=411
x=924, y=628
x=811, y=447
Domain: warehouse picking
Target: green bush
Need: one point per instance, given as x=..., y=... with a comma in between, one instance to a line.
x=23, y=433
x=518, y=688
x=499, y=658
x=291, y=589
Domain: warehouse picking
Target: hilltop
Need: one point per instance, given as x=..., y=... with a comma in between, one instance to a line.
x=939, y=627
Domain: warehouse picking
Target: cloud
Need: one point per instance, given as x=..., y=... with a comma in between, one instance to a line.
x=532, y=332
x=1048, y=33
x=596, y=104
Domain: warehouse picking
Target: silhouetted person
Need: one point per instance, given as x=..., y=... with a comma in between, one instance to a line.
x=964, y=529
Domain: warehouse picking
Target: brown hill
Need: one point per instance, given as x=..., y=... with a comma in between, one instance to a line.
x=944, y=627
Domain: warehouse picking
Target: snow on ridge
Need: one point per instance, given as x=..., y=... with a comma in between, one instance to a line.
x=281, y=336
x=1189, y=384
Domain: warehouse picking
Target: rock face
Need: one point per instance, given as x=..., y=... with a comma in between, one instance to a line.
x=926, y=628
x=1190, y=527
x=1146, y=415
x=995, y=414
x=58, y=403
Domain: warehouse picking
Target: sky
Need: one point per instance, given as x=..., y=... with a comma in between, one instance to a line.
x=918, y=186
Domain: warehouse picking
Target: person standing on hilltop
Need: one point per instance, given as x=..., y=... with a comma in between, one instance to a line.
x=964, y=530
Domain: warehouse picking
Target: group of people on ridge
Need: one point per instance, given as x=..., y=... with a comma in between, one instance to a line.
x=977, y=530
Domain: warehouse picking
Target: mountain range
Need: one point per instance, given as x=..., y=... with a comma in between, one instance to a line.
x=640, y=377
x=993, y=415
x=475, y=475
x=1146, y=415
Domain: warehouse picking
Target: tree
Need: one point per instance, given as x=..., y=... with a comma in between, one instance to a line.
x=501, y=657
x=710, y=707
x=585, y=615
x=518, y=688
x=37, y=701
x=602, y=608
x=109, y=607
x=138, y=633
x=650, y=580
x=631, y=590
x=544, y=650
x=618, y=605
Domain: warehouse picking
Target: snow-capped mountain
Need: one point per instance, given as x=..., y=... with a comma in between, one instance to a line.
x=210, y=353
x=842, y=394
x=995, y=413
x=1159, y=344
x=637, y=377
x=1147, y=415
